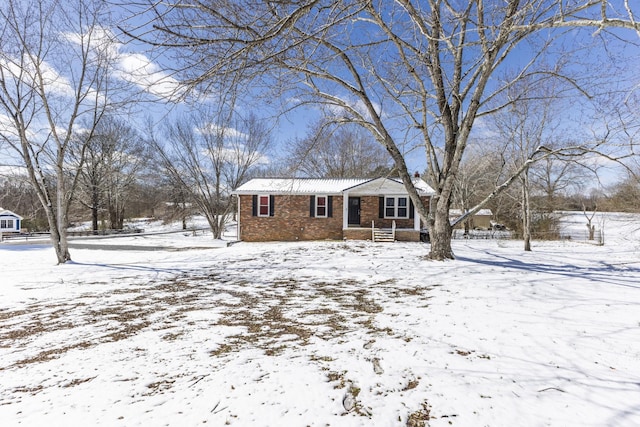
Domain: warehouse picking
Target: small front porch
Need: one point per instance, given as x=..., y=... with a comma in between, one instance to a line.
x=381, y=234
x=380, y=215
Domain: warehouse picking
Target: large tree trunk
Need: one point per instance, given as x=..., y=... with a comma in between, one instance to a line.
x=62, y=245
x=58, y=237
x=214, y=225
x=56, y=217
x=441, y=241
x=440, y=231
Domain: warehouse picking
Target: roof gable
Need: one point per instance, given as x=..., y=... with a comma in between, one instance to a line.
x=390, y=186
x=7, y=213
x=378, y=186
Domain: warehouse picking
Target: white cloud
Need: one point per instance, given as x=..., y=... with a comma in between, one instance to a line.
x=9, y=131
x=213, y=129
x=134, y=68
x=141, y=71
x=7, y=127
x=27, y=72
x=99, y=40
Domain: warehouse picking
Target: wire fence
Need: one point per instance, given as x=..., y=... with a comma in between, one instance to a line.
x=483, y=234
x=569, y=235
x=597, y=237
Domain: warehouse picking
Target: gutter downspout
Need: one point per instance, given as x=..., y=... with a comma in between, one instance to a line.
x=238, y=219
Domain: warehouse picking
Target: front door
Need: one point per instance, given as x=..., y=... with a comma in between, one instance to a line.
x=354, y=211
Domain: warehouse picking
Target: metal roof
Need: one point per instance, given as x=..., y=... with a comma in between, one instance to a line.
x=314, y=186
x=458, y=212
x=298, y=185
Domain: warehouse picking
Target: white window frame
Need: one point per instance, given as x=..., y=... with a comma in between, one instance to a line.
x=326, y=206
x=260, y=205
x=396, y=207
x=6, y=224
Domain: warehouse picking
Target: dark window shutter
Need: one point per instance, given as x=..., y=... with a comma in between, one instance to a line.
x=330, y=206
x=381, y=207
x=254, y=205
x=272, y=200
x=411, y=209
x=312, y=206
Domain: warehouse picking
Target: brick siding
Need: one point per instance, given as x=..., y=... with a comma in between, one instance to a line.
x=291, y=221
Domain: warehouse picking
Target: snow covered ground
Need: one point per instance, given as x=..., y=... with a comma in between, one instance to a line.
x=322, y=333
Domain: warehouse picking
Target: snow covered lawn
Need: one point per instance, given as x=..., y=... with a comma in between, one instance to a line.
x=323, y=334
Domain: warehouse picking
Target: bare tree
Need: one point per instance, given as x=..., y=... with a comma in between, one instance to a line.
x=338, y=152
x=54, y=69
x=208, y=154
x=412, y=73
x=556, y=176
x=532, y=122
x=524, y=127
x=479, y=172
x=114, y=155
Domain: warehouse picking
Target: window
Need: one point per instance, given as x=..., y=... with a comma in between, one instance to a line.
x=396, y=207
x=390, y=207
x=402, y=208
x=263, y=206
x=321, y=206
x=6, y=223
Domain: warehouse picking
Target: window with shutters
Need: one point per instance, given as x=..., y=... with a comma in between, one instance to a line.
x=263, y=206
x=396, y=207
x=321, y=206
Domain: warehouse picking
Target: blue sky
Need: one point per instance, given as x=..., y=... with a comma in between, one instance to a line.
x=145, y=69
x=599, y=58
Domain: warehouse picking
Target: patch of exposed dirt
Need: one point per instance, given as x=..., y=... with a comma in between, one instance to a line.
x=274, y=315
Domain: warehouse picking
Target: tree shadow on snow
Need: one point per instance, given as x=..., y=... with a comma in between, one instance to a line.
x=133, y=267
x=602, y=271
x=24, y=248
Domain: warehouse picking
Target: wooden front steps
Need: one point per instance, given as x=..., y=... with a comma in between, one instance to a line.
x=383, y=234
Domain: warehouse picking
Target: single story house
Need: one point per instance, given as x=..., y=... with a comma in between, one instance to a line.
x=9, y=222
x=481, y=220
x=318, y=209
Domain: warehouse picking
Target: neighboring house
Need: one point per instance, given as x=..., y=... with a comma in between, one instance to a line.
x=480, y=221
x=318, y=209
x=9, y=222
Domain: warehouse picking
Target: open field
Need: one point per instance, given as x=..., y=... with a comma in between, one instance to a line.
x=323, y=333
